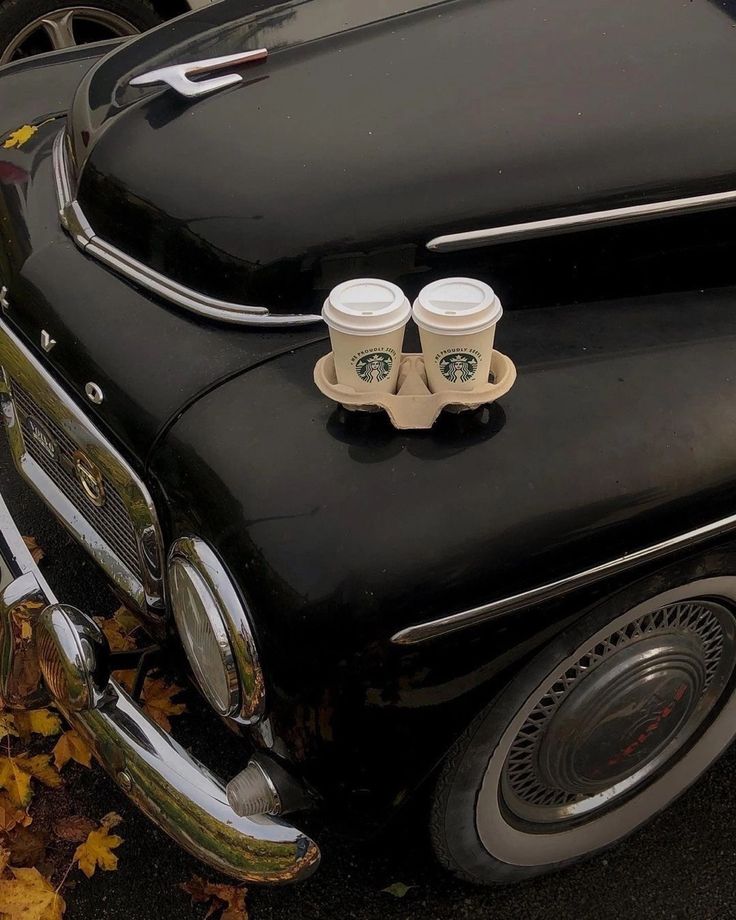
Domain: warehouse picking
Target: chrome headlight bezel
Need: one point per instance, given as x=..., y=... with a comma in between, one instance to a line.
x=229, y=621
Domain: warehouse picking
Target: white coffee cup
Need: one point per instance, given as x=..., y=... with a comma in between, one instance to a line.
x=366, y=318
x=457, y=322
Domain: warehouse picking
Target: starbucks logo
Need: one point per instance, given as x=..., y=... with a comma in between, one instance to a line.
x=375, y=367
x=458, y=367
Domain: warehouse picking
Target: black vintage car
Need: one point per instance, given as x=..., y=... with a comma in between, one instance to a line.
x=526, y=613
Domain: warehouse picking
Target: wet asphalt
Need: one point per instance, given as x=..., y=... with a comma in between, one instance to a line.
x=683, y=865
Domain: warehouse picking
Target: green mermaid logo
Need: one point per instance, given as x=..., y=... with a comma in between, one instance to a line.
x=458, y=367
x=374, y=367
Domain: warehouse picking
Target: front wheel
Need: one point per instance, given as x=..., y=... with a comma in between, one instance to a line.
x=598, y=733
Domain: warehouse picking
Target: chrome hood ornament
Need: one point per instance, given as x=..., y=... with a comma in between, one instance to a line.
x=177, y=75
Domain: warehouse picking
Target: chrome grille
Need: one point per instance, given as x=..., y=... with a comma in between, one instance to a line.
x=112, y=521
x=52, y=438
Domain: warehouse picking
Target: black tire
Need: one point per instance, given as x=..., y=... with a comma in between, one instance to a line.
x=94, y=20
x=502, y=810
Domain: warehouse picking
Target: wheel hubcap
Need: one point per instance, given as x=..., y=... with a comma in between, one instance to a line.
x=66, y=28
x=619, y=712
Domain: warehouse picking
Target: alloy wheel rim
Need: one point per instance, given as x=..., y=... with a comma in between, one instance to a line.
x=618, y=713
x=60, y=29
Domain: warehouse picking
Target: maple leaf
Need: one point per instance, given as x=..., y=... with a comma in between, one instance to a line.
x=97, y=848
x=230, y=899
x=35, y=550
x=22, y=618
x=118, y=635
x=127, y=620
x=157, y=702
x=37, y=721
x=16, y=774
x=20, y=136
x=125, y=678
x=71, y=747
x=29, y=896
x=11, y=815
x=7, y=725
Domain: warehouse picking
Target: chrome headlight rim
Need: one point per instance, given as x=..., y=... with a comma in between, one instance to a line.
x=230, y=623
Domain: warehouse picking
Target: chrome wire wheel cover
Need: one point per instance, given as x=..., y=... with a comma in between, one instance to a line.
x=619, y=712
x=66, y=28
x=616, y=731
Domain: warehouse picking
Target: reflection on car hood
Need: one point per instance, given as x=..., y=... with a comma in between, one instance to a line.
x=372, y=128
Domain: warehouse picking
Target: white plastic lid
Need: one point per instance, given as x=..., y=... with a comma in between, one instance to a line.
x=456, y=306
x=366, y=306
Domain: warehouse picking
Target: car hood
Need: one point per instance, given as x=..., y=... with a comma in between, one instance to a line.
x=341, y=529
x=372, y=128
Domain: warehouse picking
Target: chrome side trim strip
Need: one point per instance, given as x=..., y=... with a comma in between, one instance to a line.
x=75, y=223
x=590, y=220
x=443, y=625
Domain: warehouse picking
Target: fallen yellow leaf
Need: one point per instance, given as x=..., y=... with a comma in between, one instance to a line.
x=71, y=747
x=97, y=848
x=21, y=617
x=157, y=702
x=126, y=619
x=118, y=635
x=16, y=782
x=11, y=815
x=34, y=549
x=16, y=774
x=37, y=721
x=20, y=136
x=230, y=899
x=29, y=896
x=7, y=725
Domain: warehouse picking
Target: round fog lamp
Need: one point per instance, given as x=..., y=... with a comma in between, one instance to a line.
x=204, y=635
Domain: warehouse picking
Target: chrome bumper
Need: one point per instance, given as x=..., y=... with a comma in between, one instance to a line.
x=174, y=790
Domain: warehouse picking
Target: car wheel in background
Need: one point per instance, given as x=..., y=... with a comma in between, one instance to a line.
x=597, y=734
x=29, y=27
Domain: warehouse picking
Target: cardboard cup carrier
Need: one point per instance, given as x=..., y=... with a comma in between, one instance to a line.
x=367, y=370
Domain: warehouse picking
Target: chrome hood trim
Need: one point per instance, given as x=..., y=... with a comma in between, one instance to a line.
x=77, y=226
x=177, y=75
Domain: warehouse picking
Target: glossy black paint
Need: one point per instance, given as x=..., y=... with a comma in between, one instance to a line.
x=618, y=434
x=354, y=144
x=338, y=529
x=150, y=359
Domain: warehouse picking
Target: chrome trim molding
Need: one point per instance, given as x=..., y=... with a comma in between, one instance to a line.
x=19, y=365
x=251, y=702
x=177, y=75
x=443, y=625
x=77, y=226
x=532, y=229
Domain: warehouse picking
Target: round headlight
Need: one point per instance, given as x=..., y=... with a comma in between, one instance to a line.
x=204, y=636
x=215, y=631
